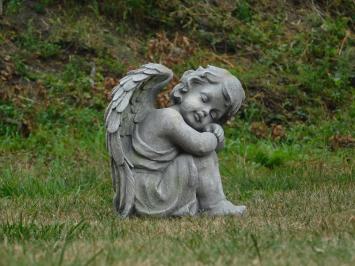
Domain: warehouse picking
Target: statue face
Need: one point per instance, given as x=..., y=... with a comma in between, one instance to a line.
x=203, y=104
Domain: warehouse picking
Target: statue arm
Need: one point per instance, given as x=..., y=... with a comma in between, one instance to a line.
x=185, y=137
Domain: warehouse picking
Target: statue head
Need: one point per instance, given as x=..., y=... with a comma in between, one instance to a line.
x=216, y=80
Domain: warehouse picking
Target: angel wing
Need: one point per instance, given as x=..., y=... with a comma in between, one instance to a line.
x=131, y=100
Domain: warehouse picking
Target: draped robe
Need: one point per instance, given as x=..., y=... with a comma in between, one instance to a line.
x=166, y=180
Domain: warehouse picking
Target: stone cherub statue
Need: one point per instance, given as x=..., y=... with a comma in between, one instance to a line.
x=164, y=161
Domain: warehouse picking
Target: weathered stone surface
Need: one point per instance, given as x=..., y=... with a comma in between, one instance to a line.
x=164, y=161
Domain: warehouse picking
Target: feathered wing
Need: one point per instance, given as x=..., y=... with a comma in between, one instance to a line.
x=132, y=98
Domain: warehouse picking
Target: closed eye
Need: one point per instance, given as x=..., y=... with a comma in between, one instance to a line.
x=214, y=114
x=204, y=98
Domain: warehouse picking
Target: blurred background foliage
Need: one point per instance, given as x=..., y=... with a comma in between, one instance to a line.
x=59, y=61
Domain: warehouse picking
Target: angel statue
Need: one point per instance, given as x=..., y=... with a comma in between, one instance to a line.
x=164, y=161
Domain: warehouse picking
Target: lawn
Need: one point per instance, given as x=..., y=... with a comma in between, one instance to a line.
x=56, y=207
x=289, y=155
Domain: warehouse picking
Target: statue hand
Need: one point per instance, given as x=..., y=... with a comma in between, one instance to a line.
x=218, y=131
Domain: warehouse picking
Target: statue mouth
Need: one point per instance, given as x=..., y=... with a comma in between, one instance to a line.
x=197, y=117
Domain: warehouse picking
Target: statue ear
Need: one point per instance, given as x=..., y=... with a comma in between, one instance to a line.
x=177, y=93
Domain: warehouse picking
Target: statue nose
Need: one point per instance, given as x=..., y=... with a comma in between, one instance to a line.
x=206, y=111
x=203, y=113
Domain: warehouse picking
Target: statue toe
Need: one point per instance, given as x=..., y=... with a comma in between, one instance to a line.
x=226, y=208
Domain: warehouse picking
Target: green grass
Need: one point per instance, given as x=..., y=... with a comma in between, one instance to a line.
x=296, y=64
x=56, y=208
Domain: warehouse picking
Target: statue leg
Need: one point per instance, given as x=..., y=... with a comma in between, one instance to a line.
x=210, y=191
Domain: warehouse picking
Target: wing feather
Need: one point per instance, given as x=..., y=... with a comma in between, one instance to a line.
x=125, y=79
x=157, y=67
x=136, y=71
x=140, y=77
x=131, y=100
x=118, y=93
x=118, y=101
x=129, y=85
x=123, y=104
x=114, y=122
x=116, y=153
x=149, y=71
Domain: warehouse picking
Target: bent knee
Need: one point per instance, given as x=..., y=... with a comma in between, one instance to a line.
x=208, y=161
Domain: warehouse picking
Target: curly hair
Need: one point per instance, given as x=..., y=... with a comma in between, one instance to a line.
x=232, y=89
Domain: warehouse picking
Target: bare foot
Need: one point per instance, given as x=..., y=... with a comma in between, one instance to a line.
x=225, y=207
